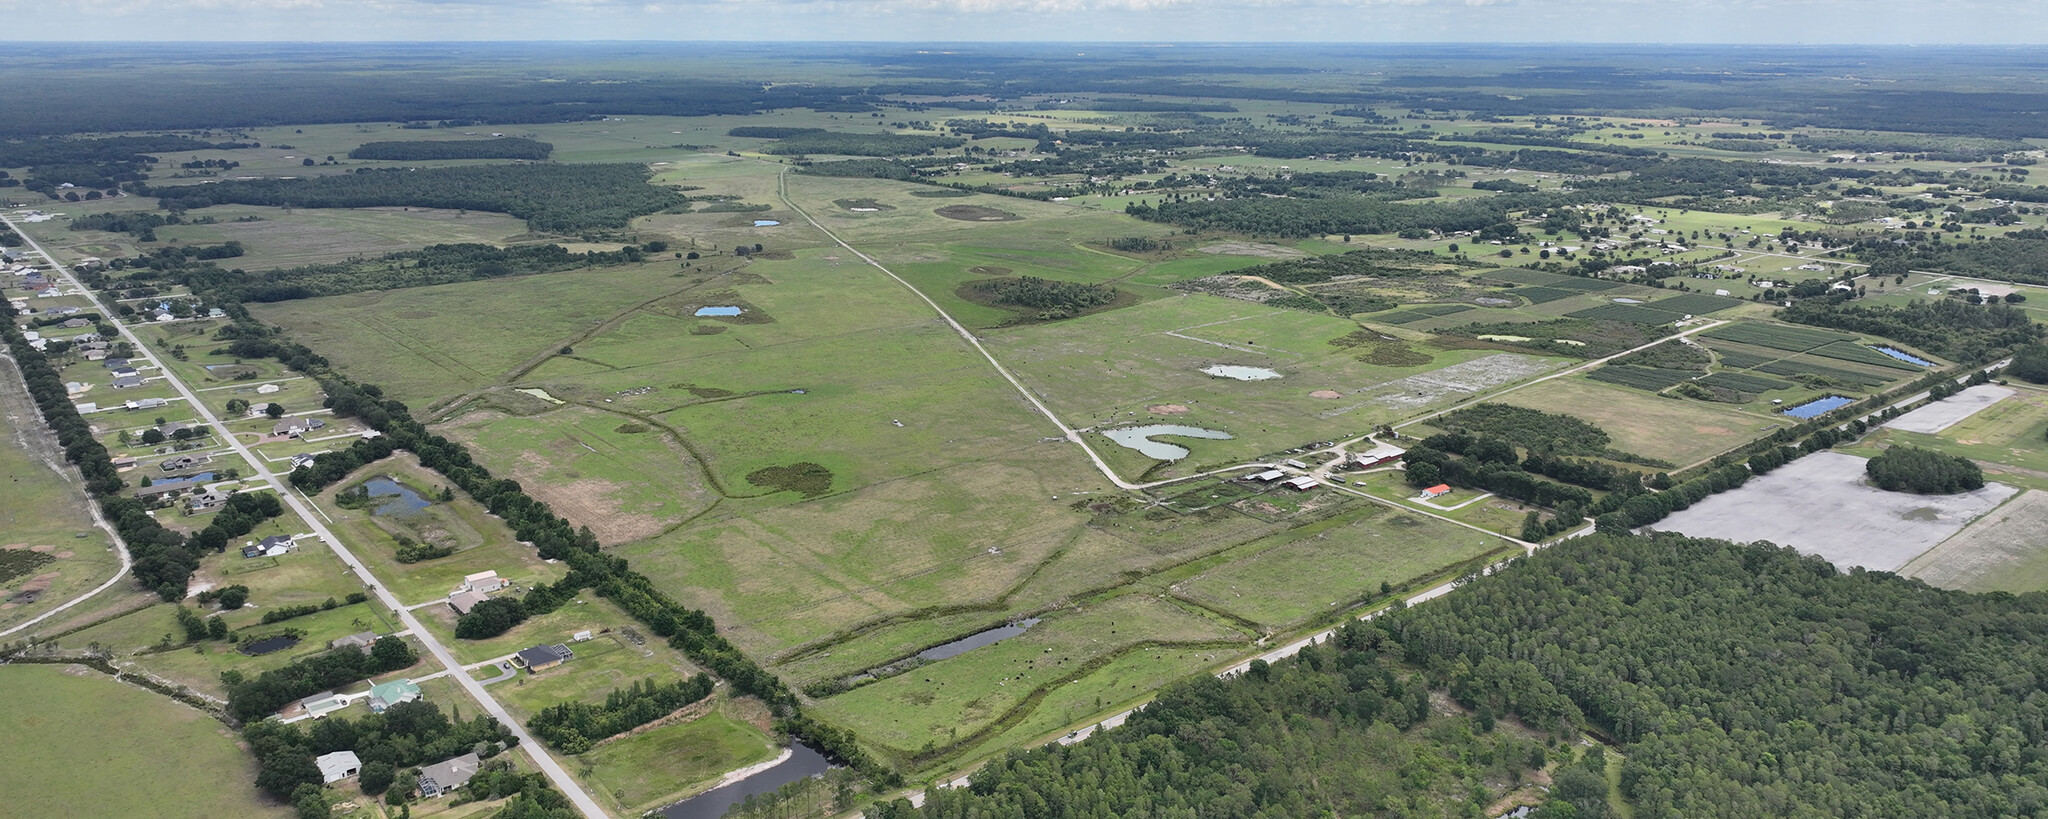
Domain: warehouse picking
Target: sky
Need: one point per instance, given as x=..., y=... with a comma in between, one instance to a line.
x=1545, y=21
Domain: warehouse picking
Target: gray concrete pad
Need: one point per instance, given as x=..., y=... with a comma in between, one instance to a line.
x=1820, y=505
x=1940, y=415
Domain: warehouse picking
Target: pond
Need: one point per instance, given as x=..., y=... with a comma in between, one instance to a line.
x=1628, y=301
x=1140, y=439
x=1819, y=406
x=718, y=311
x=766, y=223
x=977, y=640
x=1239, y=372
x=403, y=499
x=1902, y=355
x=195, y=478
x=803, y=761
x=269, y=645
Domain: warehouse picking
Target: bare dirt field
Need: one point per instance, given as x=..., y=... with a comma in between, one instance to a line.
x=2004, y=551
x=1255, y=249
x=1941, y=415
x=1820, y=505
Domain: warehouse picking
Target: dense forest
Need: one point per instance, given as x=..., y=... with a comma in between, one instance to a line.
x=1052, y=299
x=425, y=149
x=1947, y=327
x=1736, y=681
x=852, y=144
x=1923, y=471
x=551, y=198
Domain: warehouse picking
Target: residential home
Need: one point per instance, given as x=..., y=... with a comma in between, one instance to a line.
x=147, y=403
x=361, y=640
x=75, y=323
x=179, y=462
x=385, y=695
x=125, y=371
x=289, y=427
x=441, y=777
x=302, y=460
x=1436, y=491
x=276, y=545
x=464, y=600
x=128, y=382
x=338, y=766
x=543, y=657
x=204, y=501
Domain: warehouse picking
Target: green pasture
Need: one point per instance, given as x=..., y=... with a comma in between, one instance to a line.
x=1681, y=432
x=482, y=541
x=641, y=772
x=602, y=665
x=81, y=744
x=44, y=509
x=946, y=702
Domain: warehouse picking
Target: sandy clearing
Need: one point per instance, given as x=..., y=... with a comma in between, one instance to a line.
x=1941, y=415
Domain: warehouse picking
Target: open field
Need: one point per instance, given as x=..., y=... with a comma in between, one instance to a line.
x=1679, y=432
x=1820, y=505
x=482, y=541
x=45, y=514
x=80, y=744
x=660, y=766
x=603, y=664
x=2002, y=551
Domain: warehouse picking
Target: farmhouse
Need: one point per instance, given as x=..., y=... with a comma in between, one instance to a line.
x=1436, y=491
x=392, y=693
x=447, y=775
x=542, y=658
x=464, y=600
x=338, y=766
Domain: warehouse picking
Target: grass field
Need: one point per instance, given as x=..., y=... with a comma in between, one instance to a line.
x=61, y=757
x=644, y=771
x=483, y=542
x=45, y=513
x=2003, y=551
x=602, y=665
x=1680, y=432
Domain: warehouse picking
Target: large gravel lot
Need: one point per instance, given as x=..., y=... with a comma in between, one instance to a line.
x=1941, y=415
x=1820, y=505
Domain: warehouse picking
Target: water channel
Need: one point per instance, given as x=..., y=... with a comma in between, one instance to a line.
x=803, y=761
x=977, y=640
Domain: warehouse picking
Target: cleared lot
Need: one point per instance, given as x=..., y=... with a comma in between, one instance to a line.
x=1941, y=415
x=1820, y=505
x=2005, y=551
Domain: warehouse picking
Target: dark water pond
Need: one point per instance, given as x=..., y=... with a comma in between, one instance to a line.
x=269, y=645
x=402, y=499
x=712, y=804
x=977, y=640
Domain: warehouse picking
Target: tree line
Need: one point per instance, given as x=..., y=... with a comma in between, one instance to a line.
x=550, y=197
x=573, y=727
x=414, y=150
x=254, y=698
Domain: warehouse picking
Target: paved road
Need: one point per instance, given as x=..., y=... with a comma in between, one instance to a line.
x=540, y=756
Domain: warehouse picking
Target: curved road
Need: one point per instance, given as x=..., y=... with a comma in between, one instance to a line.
x=540, y=756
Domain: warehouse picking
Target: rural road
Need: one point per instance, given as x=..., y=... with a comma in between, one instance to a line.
x=540, y=756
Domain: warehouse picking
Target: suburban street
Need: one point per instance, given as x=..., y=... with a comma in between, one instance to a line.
x=541, y=758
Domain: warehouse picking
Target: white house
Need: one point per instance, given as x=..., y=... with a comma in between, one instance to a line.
x=482, y=582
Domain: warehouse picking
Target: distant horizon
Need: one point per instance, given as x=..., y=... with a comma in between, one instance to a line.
x=1368, y=22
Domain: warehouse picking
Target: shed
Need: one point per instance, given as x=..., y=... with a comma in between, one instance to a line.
x=1300, y=484
x=1294, y=463
x=338, y=766
x=1269, y=475
x=1436, y=491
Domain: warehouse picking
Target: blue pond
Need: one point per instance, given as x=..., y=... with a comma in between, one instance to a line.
x=1819, y=406
x=718, y=311
x=403, y=499
x=765, y=223
x=1906, y=357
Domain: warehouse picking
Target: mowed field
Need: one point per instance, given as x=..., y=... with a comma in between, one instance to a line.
x=50, y=551
x=1681, y=432
x=80, y=744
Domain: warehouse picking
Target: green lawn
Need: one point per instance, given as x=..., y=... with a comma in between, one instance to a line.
x=602, y=665
x=80, y=744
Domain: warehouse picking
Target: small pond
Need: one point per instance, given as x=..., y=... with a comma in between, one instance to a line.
x=1819, y=406
x=402, y=499
x=1140, y=439
x=712, y=804
x=977, y=640
x=766, y=223
x=1628, y=301
x=718, y=311
x=193, y=478
x=1907, y=357
x=1240, y=372
x=269, y=645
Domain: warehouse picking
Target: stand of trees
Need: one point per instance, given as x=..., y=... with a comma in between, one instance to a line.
x=852, y=144
x=573, y=727
x=1905, y=468
x=406, y=735
x=1052, y=299
x=1950, y=328
x=557, y=198
x=251, y=699
x=430, y=149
